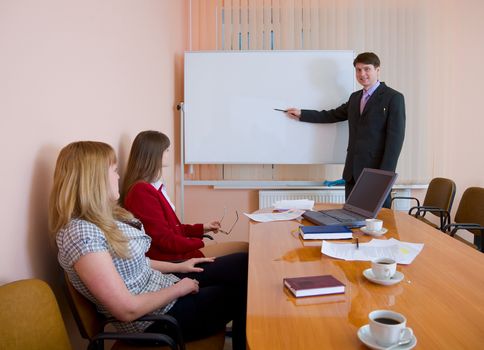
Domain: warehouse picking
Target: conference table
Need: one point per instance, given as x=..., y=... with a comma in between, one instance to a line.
x=441, y=295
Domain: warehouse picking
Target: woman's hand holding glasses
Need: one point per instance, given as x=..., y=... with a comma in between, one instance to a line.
x=233, y=225
x=216, y=226
x=213, y=226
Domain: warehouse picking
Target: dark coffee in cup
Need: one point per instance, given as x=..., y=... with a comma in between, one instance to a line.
x=384, y=268
x=388, y=327
x=386, y=320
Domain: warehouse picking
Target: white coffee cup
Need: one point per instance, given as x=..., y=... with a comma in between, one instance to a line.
x=387, y=327
x=374, y=224
x=383, y=268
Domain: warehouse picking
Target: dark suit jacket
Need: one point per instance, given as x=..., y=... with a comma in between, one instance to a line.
x=376, y=136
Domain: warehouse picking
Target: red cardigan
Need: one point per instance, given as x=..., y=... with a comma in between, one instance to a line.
x=171, y=240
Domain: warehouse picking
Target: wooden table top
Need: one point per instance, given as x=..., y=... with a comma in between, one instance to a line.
x=442, y=294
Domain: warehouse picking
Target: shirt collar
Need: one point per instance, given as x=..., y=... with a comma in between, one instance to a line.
x=372, y=89
x=157, y=184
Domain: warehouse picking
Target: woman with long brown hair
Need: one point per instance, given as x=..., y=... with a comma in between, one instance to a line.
x=102, y=249
x=144, y=194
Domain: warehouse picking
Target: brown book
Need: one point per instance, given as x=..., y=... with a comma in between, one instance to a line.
x=314, y=285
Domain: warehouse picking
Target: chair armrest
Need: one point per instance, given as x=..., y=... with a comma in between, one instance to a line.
x=444, y=215
x=402, y=197
x=171, y=325
x=424, y=209
x=161, y=339
x=420, y=211
x=417, y=211
x=453, y=228
x=161, y=317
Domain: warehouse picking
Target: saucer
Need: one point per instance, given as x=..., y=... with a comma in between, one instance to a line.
x=396, y=278
x=365, y=336
x=373, y=233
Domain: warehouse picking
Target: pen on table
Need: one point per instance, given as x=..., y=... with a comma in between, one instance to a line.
x=357, y=243
x=280, y=110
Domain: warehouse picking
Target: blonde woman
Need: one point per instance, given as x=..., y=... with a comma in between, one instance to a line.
x=102, y=249
x=145, y=195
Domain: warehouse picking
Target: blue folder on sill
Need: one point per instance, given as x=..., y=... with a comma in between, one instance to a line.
x=339, y=182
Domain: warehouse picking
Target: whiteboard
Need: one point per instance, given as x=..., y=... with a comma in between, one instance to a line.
x=229, y=115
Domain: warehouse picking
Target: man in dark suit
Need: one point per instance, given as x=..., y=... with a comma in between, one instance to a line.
x=376, y=122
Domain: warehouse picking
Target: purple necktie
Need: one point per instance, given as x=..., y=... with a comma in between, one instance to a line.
x=363, y=101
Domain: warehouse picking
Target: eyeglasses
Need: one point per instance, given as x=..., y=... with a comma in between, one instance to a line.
x=233, y=225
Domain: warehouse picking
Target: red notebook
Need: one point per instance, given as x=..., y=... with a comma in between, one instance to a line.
x=314, y=285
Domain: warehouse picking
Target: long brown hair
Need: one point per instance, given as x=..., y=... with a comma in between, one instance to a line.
x=81, y=190
x=144, y=163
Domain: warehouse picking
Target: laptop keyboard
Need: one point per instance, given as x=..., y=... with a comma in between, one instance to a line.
x=335, y=217
x=340, y=216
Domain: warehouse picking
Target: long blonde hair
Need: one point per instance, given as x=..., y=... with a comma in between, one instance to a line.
x=144, y=163
x=81, y=190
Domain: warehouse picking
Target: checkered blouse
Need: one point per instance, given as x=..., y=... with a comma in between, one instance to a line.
x=80, y=237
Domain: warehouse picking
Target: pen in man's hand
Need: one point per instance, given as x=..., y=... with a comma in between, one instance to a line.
x=280, y=110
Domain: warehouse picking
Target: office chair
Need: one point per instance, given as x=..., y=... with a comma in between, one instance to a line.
x=91, y=325
x=438, y=201
x=30, y=317
x=470, y=216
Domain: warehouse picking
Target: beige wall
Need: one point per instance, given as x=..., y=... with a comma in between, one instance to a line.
x=202, y=203
x=77, y=70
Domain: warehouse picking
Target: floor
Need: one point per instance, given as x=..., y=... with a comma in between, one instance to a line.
x=228, y=339
x=228, y=343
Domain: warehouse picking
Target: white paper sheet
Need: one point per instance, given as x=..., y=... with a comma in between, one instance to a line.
x=406, y=251
x=303, y=204
x=402, y=252
x=284, y=216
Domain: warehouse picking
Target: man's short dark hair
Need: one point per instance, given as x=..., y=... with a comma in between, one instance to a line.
x=367, y=58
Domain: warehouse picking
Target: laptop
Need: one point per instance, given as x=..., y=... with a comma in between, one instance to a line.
x=364, y=202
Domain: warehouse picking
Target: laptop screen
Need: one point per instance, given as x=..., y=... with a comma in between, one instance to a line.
x=370, y=191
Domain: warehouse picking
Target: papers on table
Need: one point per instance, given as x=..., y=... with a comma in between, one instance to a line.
x=401, y=252
x=303, y=204
x=284, y=216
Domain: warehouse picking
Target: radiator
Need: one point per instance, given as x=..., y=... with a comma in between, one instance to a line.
x=268, y=198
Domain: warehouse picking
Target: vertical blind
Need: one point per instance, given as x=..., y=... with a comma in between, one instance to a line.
x=387, y=27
